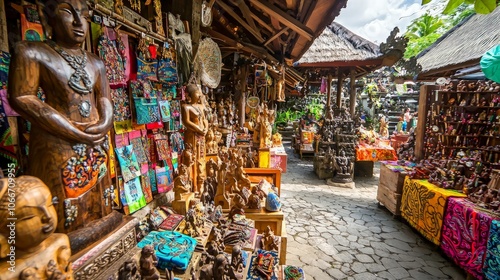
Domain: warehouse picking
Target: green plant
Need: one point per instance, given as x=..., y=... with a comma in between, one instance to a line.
x=480, y=6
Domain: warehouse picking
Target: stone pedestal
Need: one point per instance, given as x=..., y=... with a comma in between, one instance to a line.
x=331, y=182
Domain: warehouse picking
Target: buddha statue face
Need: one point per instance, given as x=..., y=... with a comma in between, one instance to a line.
x=194, y=93
x=35, y=213
x=68, y=20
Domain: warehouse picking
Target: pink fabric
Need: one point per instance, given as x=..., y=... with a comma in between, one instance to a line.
x=6, y=106
x=465, y=235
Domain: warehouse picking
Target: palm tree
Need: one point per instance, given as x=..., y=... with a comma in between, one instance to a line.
x=423, y=26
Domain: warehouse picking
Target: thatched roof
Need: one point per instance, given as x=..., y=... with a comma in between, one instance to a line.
x=338, y=43
x=462, y=46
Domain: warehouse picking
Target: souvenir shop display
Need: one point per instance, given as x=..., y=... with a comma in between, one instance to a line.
x=146, y=152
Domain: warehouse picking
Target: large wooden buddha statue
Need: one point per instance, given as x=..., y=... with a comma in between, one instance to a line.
x=29, y=248
x=68, y=140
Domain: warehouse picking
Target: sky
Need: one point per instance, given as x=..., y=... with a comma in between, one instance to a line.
x=375, y=19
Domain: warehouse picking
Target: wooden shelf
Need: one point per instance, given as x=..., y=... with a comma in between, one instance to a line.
x=469, y=107
x=468, y=148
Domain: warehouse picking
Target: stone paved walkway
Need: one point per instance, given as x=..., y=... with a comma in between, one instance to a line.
x=336, y=233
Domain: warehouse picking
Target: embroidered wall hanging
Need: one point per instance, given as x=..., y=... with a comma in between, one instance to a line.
x=128, y=162
x=133, y=194
x=121, y=105
x=146, y=188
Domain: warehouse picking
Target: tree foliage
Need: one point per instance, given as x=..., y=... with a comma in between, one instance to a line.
x=426, y=29
x=480, y=6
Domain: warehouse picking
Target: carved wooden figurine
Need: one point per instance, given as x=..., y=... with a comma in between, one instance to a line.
x=182, y=183
x=148, y=262
x=38, y=252
x=277, y=140
x=193, y=118
x=68, y=139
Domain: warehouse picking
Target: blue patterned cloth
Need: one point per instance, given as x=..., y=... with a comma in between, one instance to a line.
x=173, y=249
x=492, y=261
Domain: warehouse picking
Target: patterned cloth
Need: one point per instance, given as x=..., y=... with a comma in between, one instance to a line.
x=121, y=105
x=369, y=153
x=4, y=69
x=492, y=260
x=465, y=234
x=423, y=205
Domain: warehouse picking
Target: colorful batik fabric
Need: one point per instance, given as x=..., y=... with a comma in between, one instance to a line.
x=492, y=261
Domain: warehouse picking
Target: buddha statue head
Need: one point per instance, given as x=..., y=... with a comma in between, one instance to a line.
x=65, y=21
x=29, y=200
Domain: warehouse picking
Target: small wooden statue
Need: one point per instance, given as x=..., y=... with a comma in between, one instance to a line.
x=182, y=183
x=148, y=262
x=211, y=140
x=277, y=140
x=129, y=271
x=269, y=242
x=38, y=253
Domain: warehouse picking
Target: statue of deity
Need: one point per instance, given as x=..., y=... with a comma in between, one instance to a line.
x=68, y=139
x=277, y=140
x=193, y=118
x=148, y=262
x=211, y=140
x=38, y=252
x=266, y=128
x=343, y=167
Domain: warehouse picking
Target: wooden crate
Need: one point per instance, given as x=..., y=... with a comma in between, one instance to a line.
x=266, y=218
x=390, y=199
x=391, y=180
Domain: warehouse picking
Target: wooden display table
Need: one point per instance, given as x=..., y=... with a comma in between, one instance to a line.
x=271, y=175
x=390, y=189
x=423, y=205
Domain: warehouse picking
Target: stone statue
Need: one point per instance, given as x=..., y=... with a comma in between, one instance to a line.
x=343, y=167
x=384, y=130
x=148, y=262
x=68, y=147
x=182, y=183
x=196, y=124
x=38, y=252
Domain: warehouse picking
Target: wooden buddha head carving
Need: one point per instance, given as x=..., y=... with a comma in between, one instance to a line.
x=29, y=200
x=65, y=21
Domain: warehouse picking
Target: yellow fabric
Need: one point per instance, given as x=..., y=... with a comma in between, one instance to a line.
x=423, y=205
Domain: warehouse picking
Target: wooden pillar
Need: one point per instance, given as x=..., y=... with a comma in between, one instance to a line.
x=4, y=37
x=422, y=121
x=352, y=99
x=329, y=90
x=340, y=82
x=243, y=99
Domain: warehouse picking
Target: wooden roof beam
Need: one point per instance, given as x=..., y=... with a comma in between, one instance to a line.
x=243, y=23
x=290, y=4
x=254, y=50
x=275, y=36
x=283, y=17
x=276, y=26
x=245, y=11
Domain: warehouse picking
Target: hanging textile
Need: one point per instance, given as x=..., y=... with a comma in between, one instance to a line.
x=184, y=51
x=113, y=61
x=128, y=162
x=134, y=195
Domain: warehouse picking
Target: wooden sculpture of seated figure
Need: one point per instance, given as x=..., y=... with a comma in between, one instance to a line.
x=38, y=252
x=68, y=139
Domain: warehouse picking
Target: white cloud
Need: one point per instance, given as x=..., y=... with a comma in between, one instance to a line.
x=375, y=19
